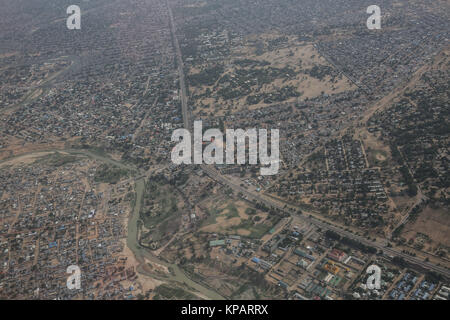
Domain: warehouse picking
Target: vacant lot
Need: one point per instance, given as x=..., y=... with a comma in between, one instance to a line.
x=237, y=217
x=433, y=223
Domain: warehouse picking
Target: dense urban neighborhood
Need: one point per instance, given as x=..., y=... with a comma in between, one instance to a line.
x=86, y=140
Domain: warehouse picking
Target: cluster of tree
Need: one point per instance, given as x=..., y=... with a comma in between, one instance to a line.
x=263, y=207
x=250, y=63
x=397, y=231
x=412, y=188
x=109, y=174
x=272, y=44
x=206, y=77
x=275, y=96
x=350, y=242
x=399, y=261
x=320, y=72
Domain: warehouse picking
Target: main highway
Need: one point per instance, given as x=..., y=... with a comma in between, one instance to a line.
x=183, y=97
x=216, y=175
x=380, y=245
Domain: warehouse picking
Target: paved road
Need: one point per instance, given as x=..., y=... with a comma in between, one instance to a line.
x=214, y=174
x=184, y=106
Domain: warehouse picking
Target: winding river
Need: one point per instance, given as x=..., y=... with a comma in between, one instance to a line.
x=176, y=274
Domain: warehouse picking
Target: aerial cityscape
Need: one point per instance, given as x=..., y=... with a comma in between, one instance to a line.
x=224, y=150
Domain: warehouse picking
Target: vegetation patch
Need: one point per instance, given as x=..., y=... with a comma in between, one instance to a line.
x=109, y=174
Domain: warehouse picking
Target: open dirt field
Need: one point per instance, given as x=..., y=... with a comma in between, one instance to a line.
x=294, y=54
x=234, y=217
x=433, y=223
